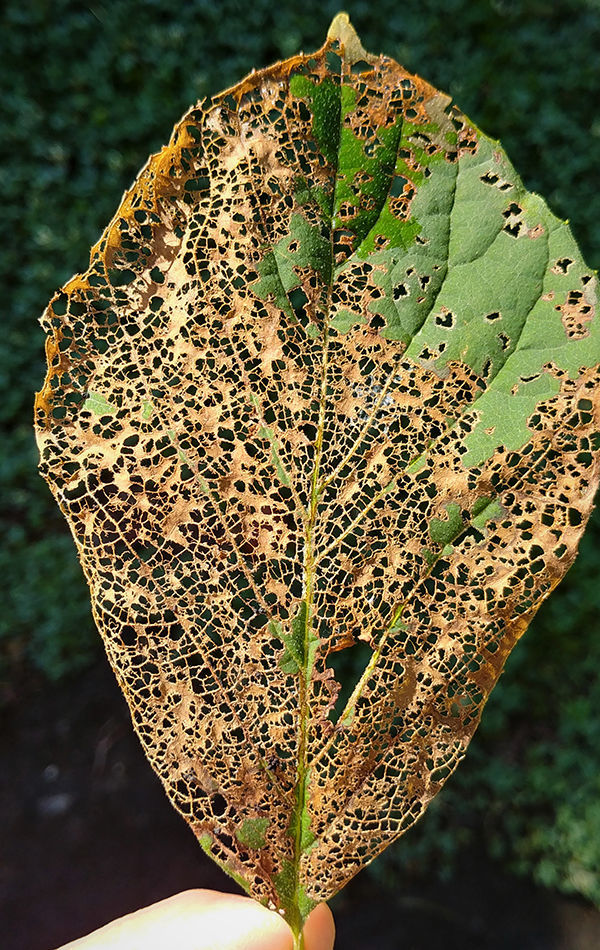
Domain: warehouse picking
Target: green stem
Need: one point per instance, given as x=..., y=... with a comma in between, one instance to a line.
x=298, y=941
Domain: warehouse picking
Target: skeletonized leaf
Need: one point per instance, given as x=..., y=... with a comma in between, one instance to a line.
x=329, y=383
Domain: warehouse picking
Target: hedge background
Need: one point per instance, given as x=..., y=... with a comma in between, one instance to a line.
x=87, y=90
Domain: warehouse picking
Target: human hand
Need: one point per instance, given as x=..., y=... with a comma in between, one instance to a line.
x=207, y=920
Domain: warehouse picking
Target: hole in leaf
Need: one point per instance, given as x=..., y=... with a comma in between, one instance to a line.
x=348, y=666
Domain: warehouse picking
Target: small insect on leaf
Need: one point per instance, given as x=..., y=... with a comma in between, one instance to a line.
x=327, y=385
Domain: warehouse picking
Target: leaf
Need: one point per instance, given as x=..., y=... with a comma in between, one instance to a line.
x=329, y=382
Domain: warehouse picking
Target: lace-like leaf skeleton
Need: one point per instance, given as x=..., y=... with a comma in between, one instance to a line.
x=328, y=389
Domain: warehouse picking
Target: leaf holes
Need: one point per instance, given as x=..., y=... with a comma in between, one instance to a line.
x=128, y=635
x=445, y=319
x=60, y=305
x=401, y=290
x=345, y=664
x=120, y=278
x=489, y=178
x=562, y=265
x=202, y=183
x=513, y=229
x=304, y=111
x=144, y=551
x=397, y=186
x=225, y=435
x=347, y=209
x=361, y=66
x=492, y=316
x=310, y=431
x=296, y=588
x=218, y=805
x=298, y=300
x=513, y=209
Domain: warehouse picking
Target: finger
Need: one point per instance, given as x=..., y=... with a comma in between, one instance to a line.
x=319, y=930
x=200, y=920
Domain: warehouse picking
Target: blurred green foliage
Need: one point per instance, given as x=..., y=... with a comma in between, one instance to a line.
x=87, y=91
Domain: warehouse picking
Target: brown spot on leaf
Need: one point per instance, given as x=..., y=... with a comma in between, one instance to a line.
x=576, y=314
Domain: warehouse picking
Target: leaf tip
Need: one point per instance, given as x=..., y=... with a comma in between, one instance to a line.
x=341, y=29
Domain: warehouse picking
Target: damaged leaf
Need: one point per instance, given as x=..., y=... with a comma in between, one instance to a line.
x=330, y=382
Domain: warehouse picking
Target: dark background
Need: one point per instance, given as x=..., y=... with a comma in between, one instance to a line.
x=87, y=90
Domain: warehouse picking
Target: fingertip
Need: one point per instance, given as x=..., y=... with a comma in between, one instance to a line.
x=201, y=920
x=193, y=920
x=319, y=930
